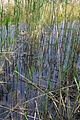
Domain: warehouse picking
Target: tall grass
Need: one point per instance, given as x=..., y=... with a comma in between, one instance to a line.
x=39, y=15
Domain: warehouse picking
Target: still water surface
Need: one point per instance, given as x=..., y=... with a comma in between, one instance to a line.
x=35, y=61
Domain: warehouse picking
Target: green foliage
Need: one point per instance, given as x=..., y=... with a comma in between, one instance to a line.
x=38, y=14
x=48, y=84
x=31, y=70
x=26, y=118
x=16, y=68
x=53, y=118
x=44, y=111
x=77, y=83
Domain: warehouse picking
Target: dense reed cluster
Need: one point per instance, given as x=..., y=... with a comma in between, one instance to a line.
x=40, y=60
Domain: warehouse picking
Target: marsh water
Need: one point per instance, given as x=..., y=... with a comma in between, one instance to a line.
x=23, y=60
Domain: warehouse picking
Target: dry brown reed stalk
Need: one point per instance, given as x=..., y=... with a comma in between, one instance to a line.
x=49, y=94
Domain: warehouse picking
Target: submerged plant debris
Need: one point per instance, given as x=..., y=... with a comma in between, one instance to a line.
x=39, y=60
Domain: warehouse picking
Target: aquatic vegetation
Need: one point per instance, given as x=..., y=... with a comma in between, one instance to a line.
x=40, y=59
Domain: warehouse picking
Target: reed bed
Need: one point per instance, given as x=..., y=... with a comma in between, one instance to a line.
x=40, y=59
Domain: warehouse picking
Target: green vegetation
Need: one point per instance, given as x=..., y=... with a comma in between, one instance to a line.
x=53, y=56
x=39, y=13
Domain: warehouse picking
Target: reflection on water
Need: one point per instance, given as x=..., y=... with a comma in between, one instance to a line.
x=37, y=62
